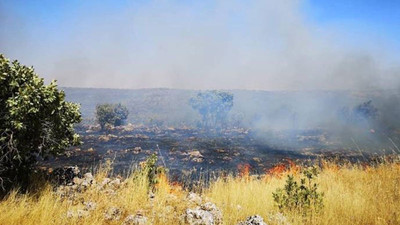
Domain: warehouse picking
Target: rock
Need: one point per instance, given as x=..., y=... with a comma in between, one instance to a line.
x=88, y=176
x=113, y=213
x=82, y=213
x=79, y=213
x=198, y=160
x=212, y=208
x=195, y=153
x=196, y=156
x=70, y=214
x=110, y=191
x=105, y=181
x=194, y=198
x=137, y=150
x=137, y=219
x=77, y=180
x=198, y=217
x=206, y=214
x=253, y=220
x=90, y=206
x=115, y=183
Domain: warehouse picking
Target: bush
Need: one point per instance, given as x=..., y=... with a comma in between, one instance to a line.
x=152, y=171
x=364, y=112
x=304, y=197
x=35, y=121
x=111, y=115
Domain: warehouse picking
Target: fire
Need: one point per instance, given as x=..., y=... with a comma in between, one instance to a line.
x=244, y=170
x=171, y=187
x=277, y=170
x=283, y=168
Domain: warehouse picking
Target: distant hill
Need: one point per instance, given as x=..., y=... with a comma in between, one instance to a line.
x=256, y=109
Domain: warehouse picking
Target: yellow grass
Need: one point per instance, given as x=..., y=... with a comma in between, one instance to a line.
x=353, y=195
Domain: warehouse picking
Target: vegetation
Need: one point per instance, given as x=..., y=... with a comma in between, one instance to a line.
x=111, y=115
x=364, y=112
x=213, y=107
x=304, y=197
x=35, y=121
x=353, y=194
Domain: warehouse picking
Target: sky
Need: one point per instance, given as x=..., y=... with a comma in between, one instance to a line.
x=226, y=44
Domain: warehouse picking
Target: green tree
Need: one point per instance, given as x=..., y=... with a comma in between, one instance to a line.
x=111, y=114
x=35, y=121
x=213, y=106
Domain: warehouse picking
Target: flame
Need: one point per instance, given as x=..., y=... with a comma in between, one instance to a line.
x=277, y=170
x=329, y=166
x=283, y=168
x=244, y=170
x=170, y=187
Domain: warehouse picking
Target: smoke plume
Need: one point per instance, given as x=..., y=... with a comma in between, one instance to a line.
x=265, y=45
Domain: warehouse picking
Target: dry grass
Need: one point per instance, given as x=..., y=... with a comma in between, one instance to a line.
x=353, y=195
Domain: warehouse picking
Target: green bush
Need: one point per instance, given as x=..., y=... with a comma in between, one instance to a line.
x=153, y=171
x=302, y=197
x=35, y=121
x=111, y=115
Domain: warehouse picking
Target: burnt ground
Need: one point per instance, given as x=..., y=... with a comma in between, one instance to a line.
x=186, y=149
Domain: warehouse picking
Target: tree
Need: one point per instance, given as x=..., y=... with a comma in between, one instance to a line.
x=111, y=114
x=364, y=112
x=35, y=121
x=213, y=106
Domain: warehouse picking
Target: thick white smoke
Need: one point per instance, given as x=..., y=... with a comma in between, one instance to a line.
x=269, y=45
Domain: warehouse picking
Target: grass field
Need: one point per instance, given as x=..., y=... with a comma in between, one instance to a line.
x=353, y=194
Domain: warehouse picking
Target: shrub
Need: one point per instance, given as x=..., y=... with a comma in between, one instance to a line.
x=152, y=171
x=111, y=115
x=303, y=197
x=35, y=121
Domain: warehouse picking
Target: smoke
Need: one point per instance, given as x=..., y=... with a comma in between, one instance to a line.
x=267, y=45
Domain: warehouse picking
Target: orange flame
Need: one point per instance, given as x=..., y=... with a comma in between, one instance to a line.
x=283, y=168
x=171, y=187
x=244, y=170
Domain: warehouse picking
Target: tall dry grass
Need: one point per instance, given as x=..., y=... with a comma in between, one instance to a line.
x=353, y=194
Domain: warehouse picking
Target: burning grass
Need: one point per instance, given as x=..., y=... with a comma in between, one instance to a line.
x=353, y=194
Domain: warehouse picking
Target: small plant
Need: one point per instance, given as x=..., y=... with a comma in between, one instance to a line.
x=152, y=170
x=301, y=197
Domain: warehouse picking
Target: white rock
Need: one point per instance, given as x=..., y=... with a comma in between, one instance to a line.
x=113, y=213
x=82, y=213
x=206, y=214
x=198, y=217
x=90, y=206
x=253, y=220
x=137, y=219
x=194, y=198
x=115, y=183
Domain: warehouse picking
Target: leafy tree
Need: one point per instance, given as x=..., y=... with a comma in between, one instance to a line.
x=35, y=121
x=213, y=106
x=111, y=114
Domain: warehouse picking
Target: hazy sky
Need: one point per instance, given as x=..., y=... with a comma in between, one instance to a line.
x=260, y=44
